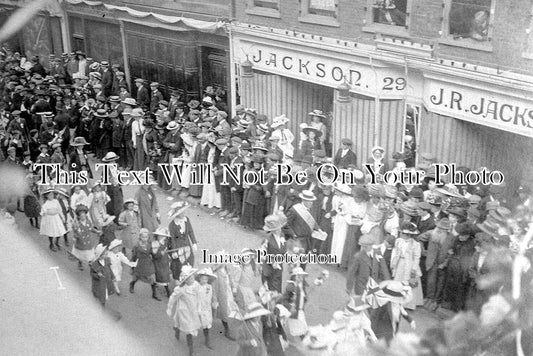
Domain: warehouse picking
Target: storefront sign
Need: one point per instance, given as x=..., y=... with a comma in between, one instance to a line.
x=323, y=70
x=504, y=112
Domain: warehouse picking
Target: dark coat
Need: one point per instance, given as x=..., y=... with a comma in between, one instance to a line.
x=362, y=268
x=154, y=102
x=296, y=225
x=107, y=83
x=272, y=275
x=102, y=280
x=343, y=162
x=115, y=205
x=143, y=97
x=75, y=158
x=118, y=133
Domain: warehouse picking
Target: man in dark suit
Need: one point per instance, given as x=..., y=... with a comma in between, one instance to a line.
x=345, y=156
x=236, y=188
x=225, y=190
x=368, y=262
x=143, y=95
x=300, y=221
x=107, y=79
x=274, y=245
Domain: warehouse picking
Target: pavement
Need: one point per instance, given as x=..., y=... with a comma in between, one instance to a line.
x=40, y=317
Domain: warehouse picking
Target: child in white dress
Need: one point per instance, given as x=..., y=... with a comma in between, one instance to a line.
x=117, y=258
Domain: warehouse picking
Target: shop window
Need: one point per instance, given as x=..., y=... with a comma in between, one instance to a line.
x=321, y=12
x=468, y=22
x=411, y=133
x=388, y=16
x=268, y=8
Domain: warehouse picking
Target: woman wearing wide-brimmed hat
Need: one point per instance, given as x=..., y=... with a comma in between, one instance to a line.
x=312, y=142
x=343, y=212
x=405, y=262
x=52, y=219
x=182, y=242
x=102, y=276
x=274, y=244
x=250, y=332
x=182, y=306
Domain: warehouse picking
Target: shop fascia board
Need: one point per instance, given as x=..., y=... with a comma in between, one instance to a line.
x=478, y=80
x=484, y=74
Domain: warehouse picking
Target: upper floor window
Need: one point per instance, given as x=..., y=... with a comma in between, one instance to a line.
x=390, y=12
x=468, y=23
x=268, y=8
x=319, y=12
x=267, y=4
x=323, y=8
x=470, y=19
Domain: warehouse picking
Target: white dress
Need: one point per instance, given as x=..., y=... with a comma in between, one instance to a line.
x=405, y=259
x=98, y=208
x=210, y=196
x=345, y=208
x=52, y=219
x=117, y=259
x=205, y=305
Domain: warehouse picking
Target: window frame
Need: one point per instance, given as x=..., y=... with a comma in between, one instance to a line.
x=448, y=39
x=324, y=20
x=253, y=9
x=376, y=27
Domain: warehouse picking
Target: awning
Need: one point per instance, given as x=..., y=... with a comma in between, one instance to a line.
x=198, y=25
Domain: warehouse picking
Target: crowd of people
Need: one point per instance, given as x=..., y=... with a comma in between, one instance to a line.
x=425, y=245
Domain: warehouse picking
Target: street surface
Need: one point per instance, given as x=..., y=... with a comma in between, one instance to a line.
x=40, y=318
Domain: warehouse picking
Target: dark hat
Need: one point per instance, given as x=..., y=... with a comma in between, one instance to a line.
x=398, y=157
x=163, y=102
x=347, y=141
x=416, y=192
x=233, y=150
x=81, y=208
x=148, y=123
x=457, y=211
x=308, y=129
x=15, y=113
x=463, y=229
x=408, y=228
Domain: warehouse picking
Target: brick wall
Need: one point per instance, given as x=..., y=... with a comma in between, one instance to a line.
x=508, y=39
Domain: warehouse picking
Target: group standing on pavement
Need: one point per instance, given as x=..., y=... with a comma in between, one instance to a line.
x=416, y=245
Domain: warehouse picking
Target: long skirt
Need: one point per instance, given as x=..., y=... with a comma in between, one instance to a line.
x=32, y=207
x=253, y=216
x=210, y=196
x=176, y=265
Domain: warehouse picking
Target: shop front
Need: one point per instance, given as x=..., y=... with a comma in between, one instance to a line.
x=364, y=97
x=179, y=53
x=475, y=124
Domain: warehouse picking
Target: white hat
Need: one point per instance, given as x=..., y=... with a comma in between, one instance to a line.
x=307, y=195
x=177, y=208
x=299, y=271
x=110, y=157
x=206, y=272
x=108, y=219
x=186, y=272
x=161, y=231
x=279, y=120
x=255, y=310
x=98, y=251
x=114, y=244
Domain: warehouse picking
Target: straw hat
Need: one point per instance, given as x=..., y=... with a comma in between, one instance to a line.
x=98, y=251
x=130, y=101
x=177, y=208
x=318, y=113
x=63, y=192
x=279, y=120
x=115, y=243
x=376, y=190
x=444, y=224
x=397, y=291
x=299, y=271
x=409, y=228
x=307, y=129
x=409, y=208
x=307, y=195
x=186, y=273
x=255, y=310
x=343, y=188
x=206, y=272
x=49, y=190
x=161, y=231
x=110, y=157
x=79, y=141
x=81, y=208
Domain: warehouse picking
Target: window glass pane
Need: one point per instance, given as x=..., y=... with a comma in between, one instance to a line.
x=390, y=12
x=270, y=4
x=323, y=7
x=470, y=19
